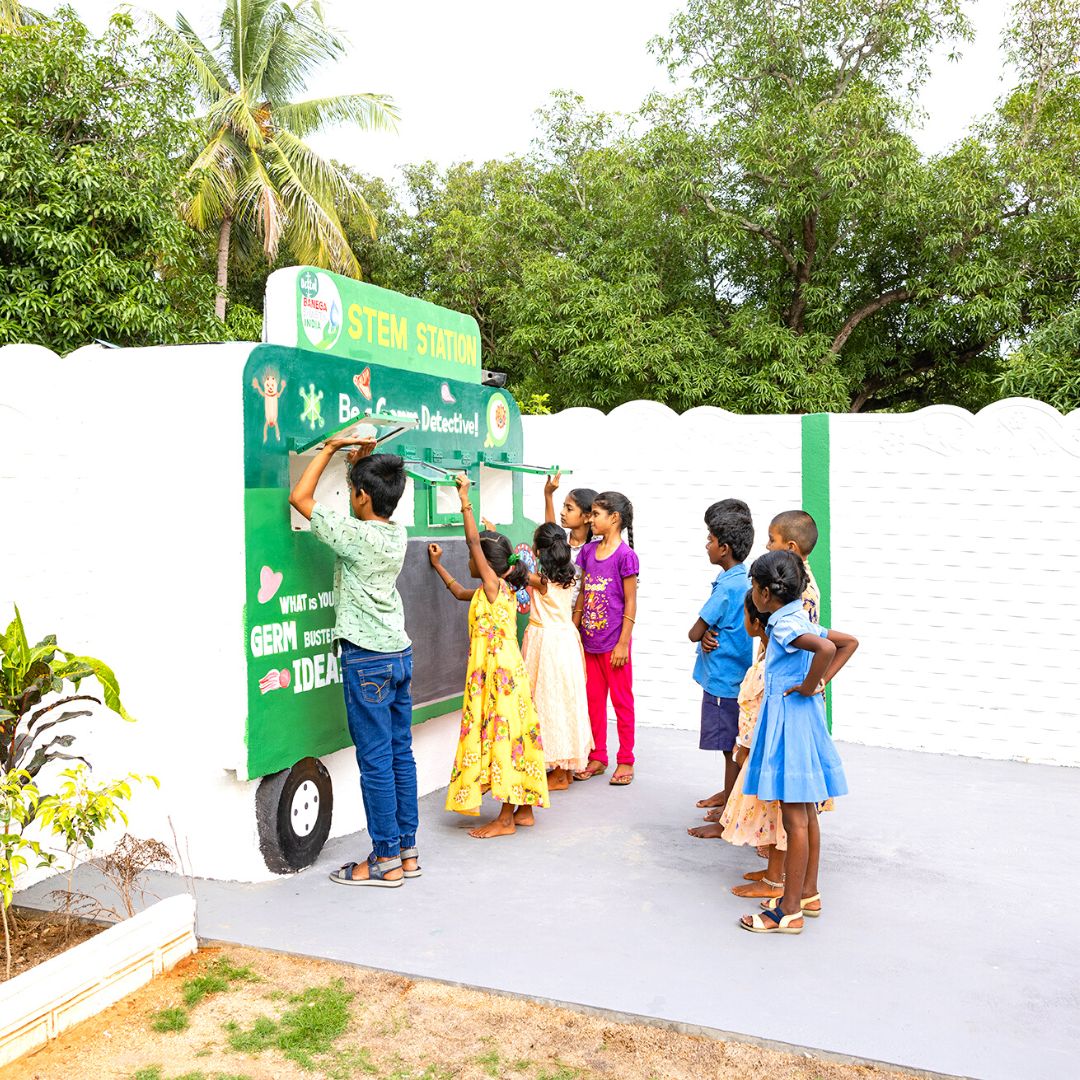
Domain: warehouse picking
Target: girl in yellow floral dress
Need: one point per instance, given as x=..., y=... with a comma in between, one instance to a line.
x=499, y=745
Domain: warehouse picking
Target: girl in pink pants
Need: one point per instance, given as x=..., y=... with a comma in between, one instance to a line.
x=605, y=613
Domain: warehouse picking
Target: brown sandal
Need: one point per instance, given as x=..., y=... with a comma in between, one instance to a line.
x=589, y=772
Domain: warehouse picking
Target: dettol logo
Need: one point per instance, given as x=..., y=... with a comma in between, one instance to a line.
x=320, y=308
x=498, y=420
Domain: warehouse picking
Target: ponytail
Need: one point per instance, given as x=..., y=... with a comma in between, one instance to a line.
x=553, y=554
x=503, y=560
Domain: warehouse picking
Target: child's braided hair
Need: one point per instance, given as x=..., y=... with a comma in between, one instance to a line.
x=615, y=502
x=780, y=573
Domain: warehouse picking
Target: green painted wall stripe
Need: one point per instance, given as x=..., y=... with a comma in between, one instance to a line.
x=816, y=500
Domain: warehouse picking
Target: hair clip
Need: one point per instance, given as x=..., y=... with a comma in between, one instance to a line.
x=514, y=558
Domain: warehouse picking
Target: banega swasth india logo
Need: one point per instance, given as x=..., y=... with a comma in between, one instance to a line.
x=320, y=309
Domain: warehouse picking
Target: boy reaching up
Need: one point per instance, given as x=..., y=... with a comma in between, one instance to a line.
x=725, y=650
x=376, y=654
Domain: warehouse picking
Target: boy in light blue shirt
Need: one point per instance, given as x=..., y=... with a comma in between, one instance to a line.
x=724, y=648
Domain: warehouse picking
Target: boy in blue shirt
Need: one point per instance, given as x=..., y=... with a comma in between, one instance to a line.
x=725, y=649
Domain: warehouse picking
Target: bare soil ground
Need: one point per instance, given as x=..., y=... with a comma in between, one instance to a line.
x=397, y=1029
x=37, y=938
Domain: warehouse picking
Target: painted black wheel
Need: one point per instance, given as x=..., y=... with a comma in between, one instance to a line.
x=293, y=810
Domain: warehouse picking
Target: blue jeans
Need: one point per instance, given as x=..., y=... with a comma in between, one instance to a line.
x=378, y=702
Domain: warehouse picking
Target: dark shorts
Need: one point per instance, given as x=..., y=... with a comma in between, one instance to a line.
x=719, y=722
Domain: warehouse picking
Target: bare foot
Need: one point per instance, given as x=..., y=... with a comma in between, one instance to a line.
x=715, y=814
x=755, y=875
x=707, y=832
x=713, y=800
x=558, y=780
x=758, y=890
x=523, y=815
x=500, y=826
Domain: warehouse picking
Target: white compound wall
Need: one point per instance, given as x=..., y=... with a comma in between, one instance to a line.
x=954, y=558
x=671, y=467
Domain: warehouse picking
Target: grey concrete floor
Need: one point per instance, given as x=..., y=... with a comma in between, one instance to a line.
x=946, y=942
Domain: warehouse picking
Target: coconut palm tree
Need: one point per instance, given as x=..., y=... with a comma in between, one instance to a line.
x=253, y=172
x=14, y=15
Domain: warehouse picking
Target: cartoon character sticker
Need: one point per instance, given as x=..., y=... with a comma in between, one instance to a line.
x=524, y=597
x=271, y=391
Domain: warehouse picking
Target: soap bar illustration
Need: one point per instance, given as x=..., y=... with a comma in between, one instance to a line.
x=362, y=382
x=275, y=680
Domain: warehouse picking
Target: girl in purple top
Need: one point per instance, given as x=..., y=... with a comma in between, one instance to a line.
x=605, y=613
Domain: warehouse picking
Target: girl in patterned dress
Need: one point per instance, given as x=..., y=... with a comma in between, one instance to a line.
x=747, y=820
x=499, y=746
x=793, y=758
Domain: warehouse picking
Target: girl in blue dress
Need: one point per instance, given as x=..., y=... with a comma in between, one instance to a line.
x=793, y=758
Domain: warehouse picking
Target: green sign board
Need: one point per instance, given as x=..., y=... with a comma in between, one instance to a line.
x=316, y=310
x=292, y=398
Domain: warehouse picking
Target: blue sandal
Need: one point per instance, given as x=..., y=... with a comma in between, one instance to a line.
x=412, y=853
x=377, y=872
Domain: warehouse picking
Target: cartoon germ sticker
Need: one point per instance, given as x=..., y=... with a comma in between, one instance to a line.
x=447, y=395
x=312, y=413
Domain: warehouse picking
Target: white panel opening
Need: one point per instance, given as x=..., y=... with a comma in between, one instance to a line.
x=332, y=492
x=497, y=495
x=447, y=500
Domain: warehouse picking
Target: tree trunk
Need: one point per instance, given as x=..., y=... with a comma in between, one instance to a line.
x=223, y=267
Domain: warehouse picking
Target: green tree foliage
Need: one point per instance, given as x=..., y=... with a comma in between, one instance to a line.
x=770, y=238
x=253, y=171
x=90, y=244
x=1047, y=365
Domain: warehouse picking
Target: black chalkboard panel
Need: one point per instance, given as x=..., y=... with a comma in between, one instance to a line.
x=437, y=623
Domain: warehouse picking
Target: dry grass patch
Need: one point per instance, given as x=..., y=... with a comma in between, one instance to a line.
x=290, y=1018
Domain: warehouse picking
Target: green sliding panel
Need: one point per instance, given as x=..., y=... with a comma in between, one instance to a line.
x=816, y=489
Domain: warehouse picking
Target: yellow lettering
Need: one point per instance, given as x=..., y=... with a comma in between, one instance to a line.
x=470, y=351
x=355, y=329
x=384, y=329
x=399, y=332
x=440, y=348
x=371, y=313
x=421, y=339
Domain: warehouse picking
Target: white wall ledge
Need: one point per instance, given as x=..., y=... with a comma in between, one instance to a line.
x=39, y=1004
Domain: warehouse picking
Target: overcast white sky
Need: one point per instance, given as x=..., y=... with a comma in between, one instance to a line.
x=467, y=76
